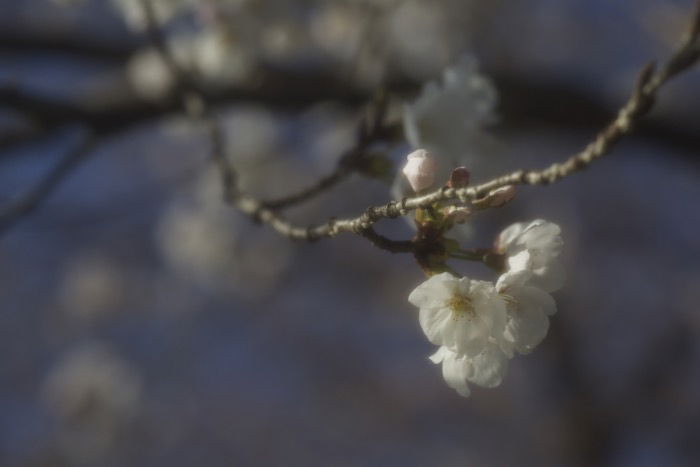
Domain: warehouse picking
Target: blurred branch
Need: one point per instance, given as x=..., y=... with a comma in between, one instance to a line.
x=196, y=107
x=371, y=129
x=523, y=103
x=277, y=89
x=651, y=79
x=42, y=41
x=29, y=201
x=639, y=104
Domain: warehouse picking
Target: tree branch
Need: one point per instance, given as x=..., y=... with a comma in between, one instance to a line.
x=639, y=104
x=371, y=129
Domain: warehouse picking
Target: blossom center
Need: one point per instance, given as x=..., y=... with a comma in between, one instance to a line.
x=460, y=305
x=511, y=301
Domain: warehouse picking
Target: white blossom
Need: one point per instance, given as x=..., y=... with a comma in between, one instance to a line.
x=461, y=314
x=534, y=246
x=528, y=310
x=479, y=325
x=486, y=369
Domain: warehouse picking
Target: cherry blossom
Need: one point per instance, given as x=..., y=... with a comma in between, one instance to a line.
x=461, y=314
x=534, y=246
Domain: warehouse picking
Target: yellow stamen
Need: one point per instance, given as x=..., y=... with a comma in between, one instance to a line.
x=460, y=305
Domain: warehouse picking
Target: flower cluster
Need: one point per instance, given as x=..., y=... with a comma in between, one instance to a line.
x=479, y=325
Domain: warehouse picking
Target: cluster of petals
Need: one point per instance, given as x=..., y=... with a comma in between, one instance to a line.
x=479, y=325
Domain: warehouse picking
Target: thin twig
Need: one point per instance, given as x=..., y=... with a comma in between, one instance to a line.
x=28, y=202
x=639, y=104
x=371, y=129
x=644, y=94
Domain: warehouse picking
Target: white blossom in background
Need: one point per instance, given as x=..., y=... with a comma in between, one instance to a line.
x=92, y=374
x=213, y=55
x=479, y=325
x=94, y=394
x=92, y=285
x=203, y=243
x=450, y=113
x=534, y=246
x=448, y=119
x=163, y=10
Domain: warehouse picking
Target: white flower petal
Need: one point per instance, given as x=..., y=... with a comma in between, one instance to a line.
x=544, y=236
x=454, y=371
x=434, y=291
x=528, y=317
x=488, y=368
x=520, y=261
x=437, y=324
x=534, y=246
x=517, y=276
x=469, y=335
x=508, y=236
x=550, y=277
x=441, y=353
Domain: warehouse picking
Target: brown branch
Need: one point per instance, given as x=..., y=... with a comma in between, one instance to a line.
x=259, y=210
x=371, y=129
x=386, y=243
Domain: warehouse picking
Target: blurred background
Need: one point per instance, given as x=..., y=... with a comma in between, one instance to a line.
x=144, y=323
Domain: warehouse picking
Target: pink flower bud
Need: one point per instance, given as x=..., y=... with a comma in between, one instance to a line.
x=420, y=169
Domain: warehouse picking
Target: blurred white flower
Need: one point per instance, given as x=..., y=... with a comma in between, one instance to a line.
x=94, y=394
x=212, y=55
x=448, y=117
x=203, y=242
x=534, y=246
x=92, y=377
x=461, y=314
x=163, y=10
x=91, y=286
